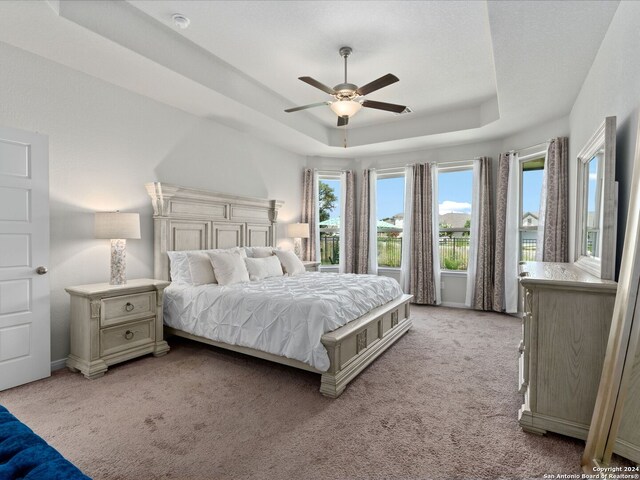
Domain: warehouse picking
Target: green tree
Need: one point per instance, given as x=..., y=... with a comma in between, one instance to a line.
x=327, y=198
x=467, y=224
x=445, y=234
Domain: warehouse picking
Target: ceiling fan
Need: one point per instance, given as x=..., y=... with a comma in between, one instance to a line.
x=348, y=98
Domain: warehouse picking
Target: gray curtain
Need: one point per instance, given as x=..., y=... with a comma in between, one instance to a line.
x=309, y=213
x=501, y=222
x=483, y=290
x=349, y=215
x=422, y=283
x=362, y=263
x=556, y=216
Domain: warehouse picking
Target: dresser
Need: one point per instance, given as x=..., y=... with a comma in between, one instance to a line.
x=565, y=328
x=114, y=323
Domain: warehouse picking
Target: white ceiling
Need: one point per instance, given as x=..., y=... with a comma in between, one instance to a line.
x=469, y=70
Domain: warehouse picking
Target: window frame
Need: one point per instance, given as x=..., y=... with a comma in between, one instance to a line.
x=323, y=175
x=451, y=167
x=531, y=156
x=383, y=174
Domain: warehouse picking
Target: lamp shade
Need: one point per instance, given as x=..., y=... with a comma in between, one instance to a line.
x=298, y=230
x=117, y=225
x=346, y=107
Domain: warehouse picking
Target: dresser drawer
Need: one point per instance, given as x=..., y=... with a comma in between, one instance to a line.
x=116, y=310
x=123, y=337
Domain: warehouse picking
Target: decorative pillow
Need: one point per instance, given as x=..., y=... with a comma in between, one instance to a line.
x=290, y=262
x=200, y=268
x=180, y=270
x=265, y=267
x=229, y=267
x=194, y=266
x=259, y=252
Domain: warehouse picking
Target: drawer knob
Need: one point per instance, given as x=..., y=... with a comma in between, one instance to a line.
x=128, y=335
x=129, y=307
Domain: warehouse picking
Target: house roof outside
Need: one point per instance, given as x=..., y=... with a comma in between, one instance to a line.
x=456, y=220
x=334, y=223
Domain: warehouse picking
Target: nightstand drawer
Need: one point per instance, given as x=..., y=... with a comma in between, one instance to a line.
x=125, y=308
x=124, y=337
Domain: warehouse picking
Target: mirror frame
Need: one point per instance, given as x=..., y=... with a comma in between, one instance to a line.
x=624, y=341
x=604, y=138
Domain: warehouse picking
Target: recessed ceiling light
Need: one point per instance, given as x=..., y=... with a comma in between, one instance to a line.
x=180, y=20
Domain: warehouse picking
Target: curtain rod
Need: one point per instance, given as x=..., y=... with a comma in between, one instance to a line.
x=541, y=144
x=456, y=162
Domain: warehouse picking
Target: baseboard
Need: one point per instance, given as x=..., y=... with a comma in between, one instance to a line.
x=58, y=364
x=453, y=305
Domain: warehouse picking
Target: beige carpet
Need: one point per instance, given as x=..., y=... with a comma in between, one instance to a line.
x=441, y=403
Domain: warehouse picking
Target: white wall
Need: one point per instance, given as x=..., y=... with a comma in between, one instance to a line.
x=105, y=144
x=612, y=87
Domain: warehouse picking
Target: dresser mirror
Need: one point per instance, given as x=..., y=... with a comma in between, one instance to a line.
x=615, y=424
x=597, y=203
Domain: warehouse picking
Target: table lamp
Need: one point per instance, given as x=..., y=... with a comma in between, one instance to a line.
x=298, y=231
x=117, y=227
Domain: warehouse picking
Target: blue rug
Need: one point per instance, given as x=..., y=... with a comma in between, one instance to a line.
x=24, y=455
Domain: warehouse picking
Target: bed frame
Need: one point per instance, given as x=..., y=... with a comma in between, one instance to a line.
x=192, y=219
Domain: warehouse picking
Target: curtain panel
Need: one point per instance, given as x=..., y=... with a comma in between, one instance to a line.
x=310, y=214
x=480, y=295
x=507, y=235
x=555, y=242
x=422, y=281
x=362, y=261
x=348, y=226
x=406, y=261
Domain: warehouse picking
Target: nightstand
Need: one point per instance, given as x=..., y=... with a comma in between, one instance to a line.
x=114, y=323
x=311, y=266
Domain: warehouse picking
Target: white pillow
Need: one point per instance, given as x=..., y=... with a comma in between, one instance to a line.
x=261, y=252
x=200, y=268
x=265, y=267
x=180, y=271
x=290, y=262
x=194, y=266
x=229, y=267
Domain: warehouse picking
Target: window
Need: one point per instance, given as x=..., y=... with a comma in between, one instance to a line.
x=531, y=172
x=329, y=219
x=455, y=191
x=390, y=217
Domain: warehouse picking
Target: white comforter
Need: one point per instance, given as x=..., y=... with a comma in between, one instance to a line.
x=285, y=316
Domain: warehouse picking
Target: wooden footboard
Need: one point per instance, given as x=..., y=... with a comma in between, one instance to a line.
x=353, y=347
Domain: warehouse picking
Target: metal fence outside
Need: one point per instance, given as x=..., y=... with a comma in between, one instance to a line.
x=454, y=251
x=528, y=247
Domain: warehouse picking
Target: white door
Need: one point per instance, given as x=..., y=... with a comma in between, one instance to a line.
x=24, y=247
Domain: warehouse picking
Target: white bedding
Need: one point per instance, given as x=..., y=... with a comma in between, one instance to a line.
x=284, y=316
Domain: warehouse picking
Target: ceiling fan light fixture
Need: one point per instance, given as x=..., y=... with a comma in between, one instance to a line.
x=346, y=107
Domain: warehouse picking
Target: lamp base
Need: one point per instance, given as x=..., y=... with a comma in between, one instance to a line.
x=297, y=247
x=118, y=262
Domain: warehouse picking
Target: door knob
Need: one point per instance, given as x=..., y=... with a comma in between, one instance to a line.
x=41, y=270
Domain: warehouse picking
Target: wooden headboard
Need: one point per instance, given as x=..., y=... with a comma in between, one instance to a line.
x=191, y=219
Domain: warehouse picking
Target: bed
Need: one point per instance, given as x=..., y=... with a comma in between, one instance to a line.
x=192, y=219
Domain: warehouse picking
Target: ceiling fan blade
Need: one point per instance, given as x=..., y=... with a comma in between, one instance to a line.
x=389, y=107
x=304, y=107
x=381, y=82
x=343, y=120
x=315, y=83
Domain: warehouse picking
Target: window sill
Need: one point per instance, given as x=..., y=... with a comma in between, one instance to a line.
x=454, y=273
x=389, y=269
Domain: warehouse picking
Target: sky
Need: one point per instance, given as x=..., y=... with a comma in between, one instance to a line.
x=454, y=193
